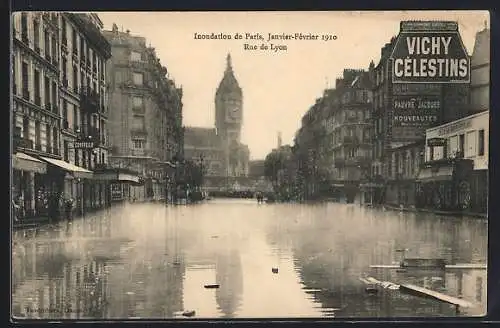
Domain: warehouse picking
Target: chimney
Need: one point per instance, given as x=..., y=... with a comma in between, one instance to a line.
x=279, y=140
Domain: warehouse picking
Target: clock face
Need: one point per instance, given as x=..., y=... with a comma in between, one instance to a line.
x=234, y=111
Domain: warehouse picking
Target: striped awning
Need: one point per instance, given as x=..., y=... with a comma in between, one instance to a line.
x=24, y=162
x=75, y=171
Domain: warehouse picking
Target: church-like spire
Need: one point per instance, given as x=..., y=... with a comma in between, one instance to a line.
x=229, y=82
x=229, y=65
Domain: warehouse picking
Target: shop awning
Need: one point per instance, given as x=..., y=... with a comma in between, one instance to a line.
x=23, y=162
x=371, y=185
x=128, y=177
x=428, y=174
x=76, y=171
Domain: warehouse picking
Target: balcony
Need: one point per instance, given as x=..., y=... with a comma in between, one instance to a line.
x=64, y=44
x=350, y=140
x=352, y=119
x=138, y=132
x=24, y=38
x=50, y=20
x=138, y=109
x=89, y=100
x=339, y=162
x=23, y=143
x=26, y=94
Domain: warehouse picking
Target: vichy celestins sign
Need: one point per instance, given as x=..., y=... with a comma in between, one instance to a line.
x=430, y=52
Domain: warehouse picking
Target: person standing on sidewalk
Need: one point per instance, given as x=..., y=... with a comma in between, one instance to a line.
x=68, y=206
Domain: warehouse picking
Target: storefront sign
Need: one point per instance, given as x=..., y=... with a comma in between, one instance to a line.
x=417, y=103
x=435, y=55
x=419, y=112
x=116, y=191
x=436, y=142
x=455, y=127
x=84, y=144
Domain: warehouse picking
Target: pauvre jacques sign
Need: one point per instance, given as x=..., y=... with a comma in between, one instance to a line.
x=429, y=52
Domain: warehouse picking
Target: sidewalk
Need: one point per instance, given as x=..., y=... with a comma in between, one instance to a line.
x=30, y=223
x=438, y=212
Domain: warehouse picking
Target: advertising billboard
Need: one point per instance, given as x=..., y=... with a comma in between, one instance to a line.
x=428, y=52
x=413, y=115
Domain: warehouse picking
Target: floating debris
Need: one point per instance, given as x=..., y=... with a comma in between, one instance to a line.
x=371, y=290
x=212, y=286
x=274, y=270
x=189, y=313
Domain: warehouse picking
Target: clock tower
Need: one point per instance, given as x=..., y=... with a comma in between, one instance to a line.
x=229, y=117
x=228, y=106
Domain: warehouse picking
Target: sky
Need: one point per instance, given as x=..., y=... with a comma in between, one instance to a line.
x=278, y=87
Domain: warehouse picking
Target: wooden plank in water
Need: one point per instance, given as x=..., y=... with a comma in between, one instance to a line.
x=477, y=266
x=457, y=266
x=385, y=266
x=435, y=295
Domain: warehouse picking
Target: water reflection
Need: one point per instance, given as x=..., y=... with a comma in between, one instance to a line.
x=335, y=244
x=151, y=261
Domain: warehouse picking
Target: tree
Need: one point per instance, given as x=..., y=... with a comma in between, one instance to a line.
x=272, y=165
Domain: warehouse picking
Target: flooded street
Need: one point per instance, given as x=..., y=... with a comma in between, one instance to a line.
x=153, y=261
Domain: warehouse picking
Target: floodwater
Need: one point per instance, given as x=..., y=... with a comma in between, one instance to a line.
x=153, y=261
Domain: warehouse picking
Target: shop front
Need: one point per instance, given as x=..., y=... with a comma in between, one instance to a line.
x=26, y=172
x=120, y=184
x=63, y=183
x=445, y=185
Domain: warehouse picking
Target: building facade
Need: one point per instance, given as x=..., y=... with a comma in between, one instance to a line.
x=219, y=150
x=480, y=73
x=59, y=111
x=145, y=114
x=403, y=110
x=455, y=175
x=351, y=138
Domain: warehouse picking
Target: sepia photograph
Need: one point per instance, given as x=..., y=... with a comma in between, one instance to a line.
x=249, y=165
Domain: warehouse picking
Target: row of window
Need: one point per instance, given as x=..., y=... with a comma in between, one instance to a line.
x=51, y=136
x=469, y=144
x=81, y=49
x=346, y=116
x=49, y=40
x=49, y=96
